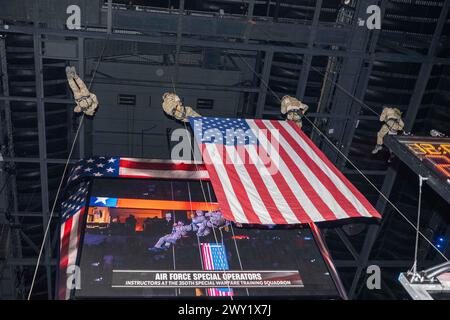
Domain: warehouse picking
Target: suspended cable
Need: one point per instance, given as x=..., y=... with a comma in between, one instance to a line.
x=64, y=175
x=419, y=207
x=192, y=210
x=173, y=247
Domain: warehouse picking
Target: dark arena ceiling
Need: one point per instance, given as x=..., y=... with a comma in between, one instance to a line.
x=227, y=58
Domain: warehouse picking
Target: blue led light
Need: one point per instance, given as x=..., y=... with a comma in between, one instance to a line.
x=441, y=243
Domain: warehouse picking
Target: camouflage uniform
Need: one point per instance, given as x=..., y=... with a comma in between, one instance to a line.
x=199, y=224
x=294, y=109
x=173, y=106
x=216, y=219
x=393, y=123
x=178, y=231
x=86, y=101
x=203, y=229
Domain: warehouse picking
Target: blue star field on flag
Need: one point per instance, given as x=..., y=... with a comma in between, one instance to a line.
x=96, y=167
x=224, y=131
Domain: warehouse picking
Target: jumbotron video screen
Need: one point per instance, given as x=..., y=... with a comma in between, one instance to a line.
x=433, y=152
x=163, y=238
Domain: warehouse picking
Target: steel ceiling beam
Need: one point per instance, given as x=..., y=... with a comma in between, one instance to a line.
x=81, y=67
x=31, y=262
x=359, y=260
x=227, y=27
x=349, y=78
x=169, y=85
x=34, y=99
x=179, y=33
x=342, y=87
x=425, y=71
x=11, y=189
x=25, y=214
x=264, y=83
x=37, y=160
x=361, y=90
x=307, y=59
x=39, y=79
x=224, y=44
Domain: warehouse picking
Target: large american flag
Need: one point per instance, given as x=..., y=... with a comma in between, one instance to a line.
x=270, y=172
x=214, y=257
x=137, y=168
x=72, y=214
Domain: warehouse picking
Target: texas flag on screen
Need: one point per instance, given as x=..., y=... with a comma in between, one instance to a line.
x=103, y=202
x=270, y=172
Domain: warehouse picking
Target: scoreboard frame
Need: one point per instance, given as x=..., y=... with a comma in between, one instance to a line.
x=427, y=156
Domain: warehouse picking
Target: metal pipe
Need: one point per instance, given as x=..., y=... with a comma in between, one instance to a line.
x=328, y=260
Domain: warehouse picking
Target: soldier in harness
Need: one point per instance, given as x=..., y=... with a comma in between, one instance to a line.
x=86, y=101
x=216, y=219
x=393, y=124
x=173, y=107
x=178, y=231
x=212, y=220
x=199, y=224
x=293, y=109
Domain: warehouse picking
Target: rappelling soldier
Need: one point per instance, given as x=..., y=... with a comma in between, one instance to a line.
x=216, y=219
x=179, y=230
x=293, y=109
x=173, y=106
x=393, y=125
x=86, y=101
x=199, y=224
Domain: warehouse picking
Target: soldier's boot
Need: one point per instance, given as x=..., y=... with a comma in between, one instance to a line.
x=156, y=249
x=190, y=112
x=377, y=148
x=70, y=72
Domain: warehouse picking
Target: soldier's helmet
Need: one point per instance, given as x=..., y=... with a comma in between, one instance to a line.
x=283, y=104
x=390, y=112
x=171, y=95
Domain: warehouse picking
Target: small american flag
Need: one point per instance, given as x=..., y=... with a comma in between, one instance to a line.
x=214, y=258
x=137, y=168
x=270, y=172
x=72, y=214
